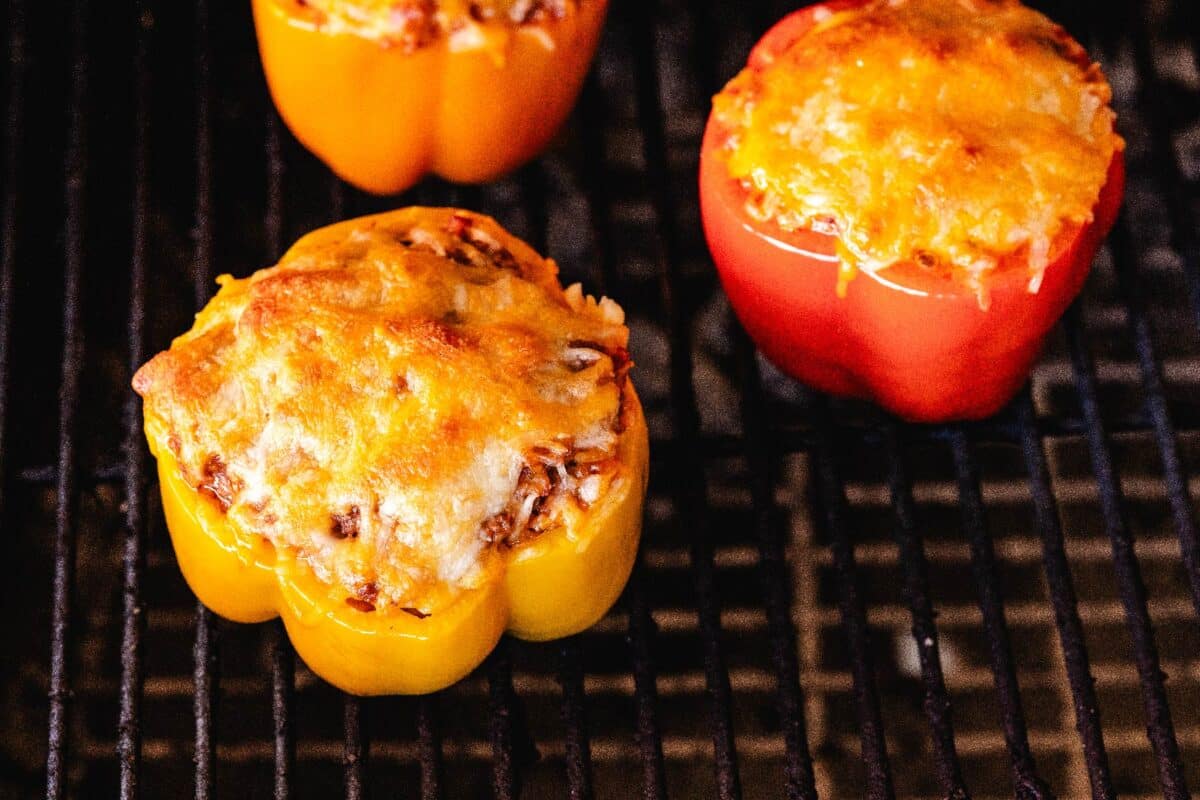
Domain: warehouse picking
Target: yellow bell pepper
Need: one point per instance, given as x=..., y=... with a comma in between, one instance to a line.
x=472, y=103
x=552, y=585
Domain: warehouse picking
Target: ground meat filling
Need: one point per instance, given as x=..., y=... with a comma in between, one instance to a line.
x=582, y=354
x=553, y=476
x=475, y=247
x=410, y=25
x=557, y=473
x=217, y=483
x=528, y=12
x=345, y=525
x=415, y=24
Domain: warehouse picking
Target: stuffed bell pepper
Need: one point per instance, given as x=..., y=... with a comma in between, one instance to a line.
x=385, y=91
x=903, y=196
x=404, y=439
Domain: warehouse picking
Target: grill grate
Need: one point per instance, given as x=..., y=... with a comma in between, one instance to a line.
x=68, y=402
x=828, y=603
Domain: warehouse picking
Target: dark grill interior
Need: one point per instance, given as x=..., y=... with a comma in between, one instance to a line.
x=1045, y=562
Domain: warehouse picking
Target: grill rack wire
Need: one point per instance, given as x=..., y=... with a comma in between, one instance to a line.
x=680, y=458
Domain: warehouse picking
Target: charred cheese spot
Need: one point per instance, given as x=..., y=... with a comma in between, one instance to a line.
x=413, y=24
x=956, y=135
x=386, y=419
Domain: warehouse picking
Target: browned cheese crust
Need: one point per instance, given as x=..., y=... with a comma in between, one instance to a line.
x=957, y=136
x=396, y=399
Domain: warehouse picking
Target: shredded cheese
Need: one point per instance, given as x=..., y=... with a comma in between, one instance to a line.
x=400, y=397
x=958, y=136
x=412, y=24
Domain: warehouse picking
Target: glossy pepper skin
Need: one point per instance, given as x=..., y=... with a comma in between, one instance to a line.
x=382, y=118
x=554, y=585
x=918, y=345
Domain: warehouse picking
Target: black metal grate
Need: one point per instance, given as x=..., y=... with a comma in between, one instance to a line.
x=828, y=602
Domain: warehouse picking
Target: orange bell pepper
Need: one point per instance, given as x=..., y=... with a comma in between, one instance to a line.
x=470, y=105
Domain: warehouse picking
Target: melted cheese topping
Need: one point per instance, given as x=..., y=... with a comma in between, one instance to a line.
x=399, y=397
x=411, y=24
x=953, y=135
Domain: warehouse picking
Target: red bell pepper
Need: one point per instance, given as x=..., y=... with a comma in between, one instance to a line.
x=920, y=344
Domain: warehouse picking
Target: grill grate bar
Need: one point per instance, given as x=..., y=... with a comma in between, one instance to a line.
x=1174, y=474
x=68, y=401
x=205, y=677
x=133, y=623
x=574, y=718
x=283, y=660
x=689, y=482
x=832, y=496
x=429, y=743
x=641, y=628
x=1162, y=154
x=337, y=199
x=273, y=215
x=924, y=632
x=500, y=703
x=283, y=687
x=354, y=755
x=800, y=781
x=532, y=181
x=798, y=768
x=206, y=668
x=13, y=127
x=202, y=232
x=645, y=689
x=1066, y=605
x=1026, y=783
x=1192, y=22
x=1159, y=727
x=589, y=166
x=570, y=669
